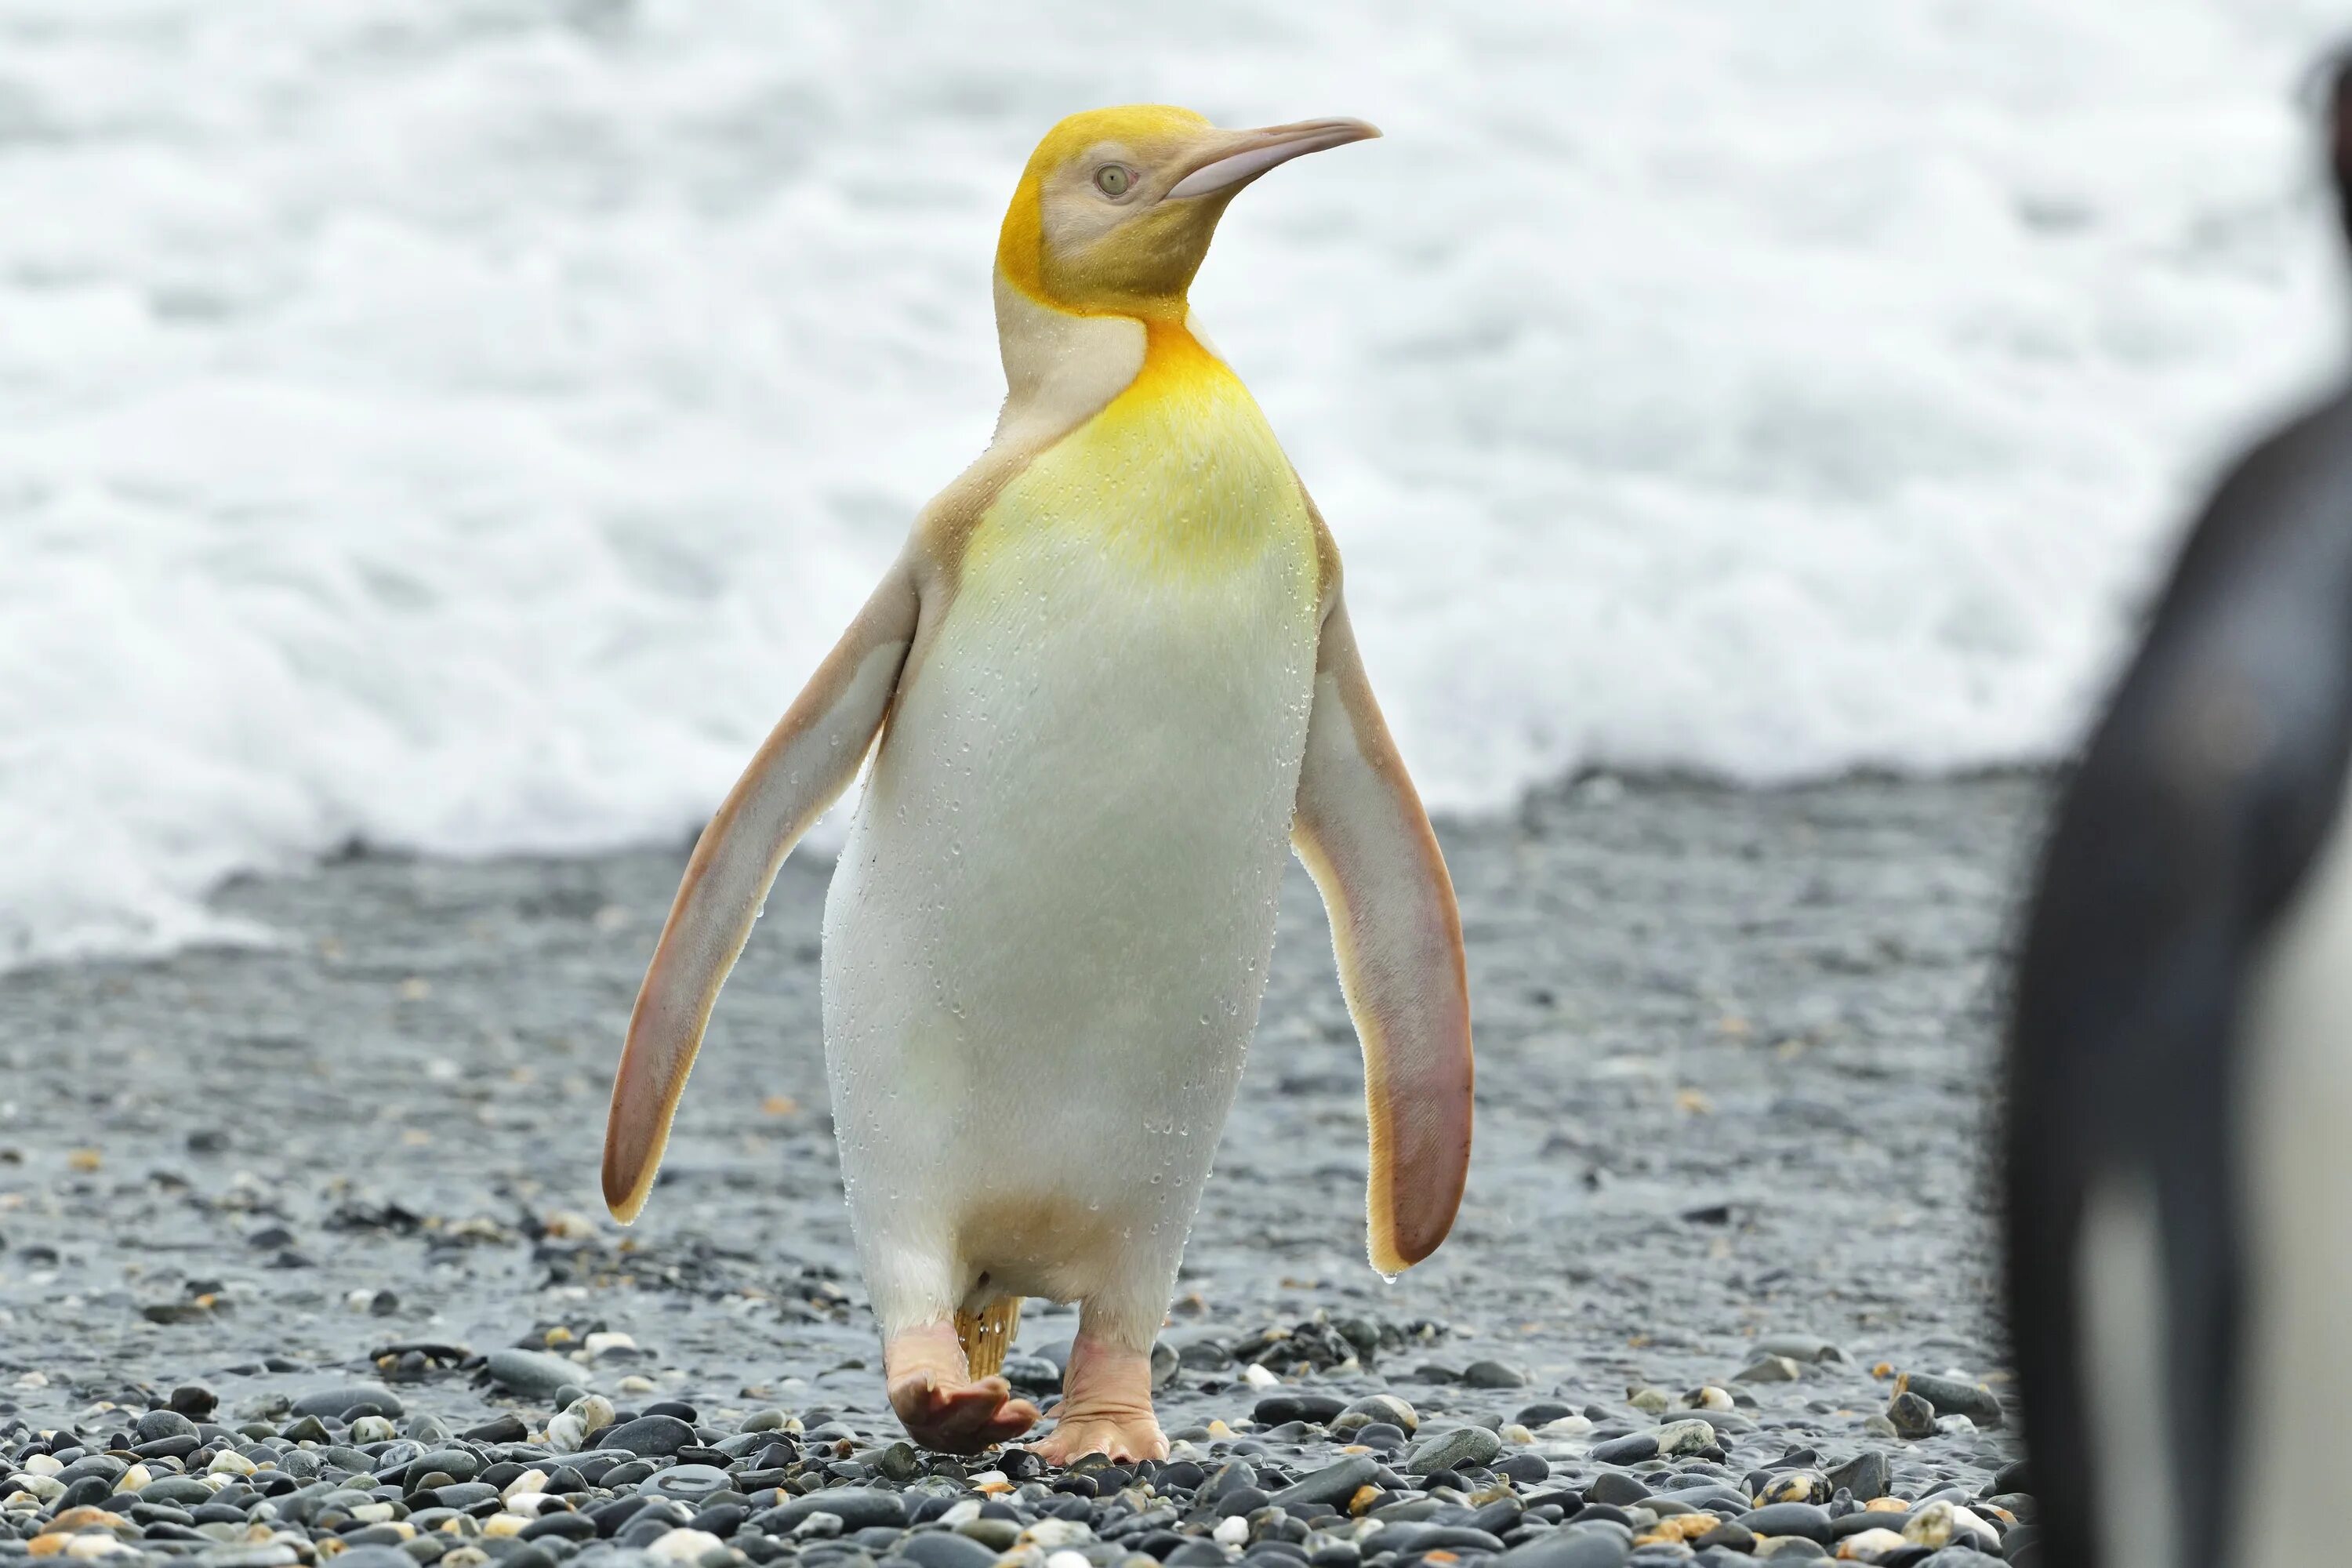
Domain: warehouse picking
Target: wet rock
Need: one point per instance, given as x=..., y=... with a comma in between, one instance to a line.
x=1332, y=1485
x=1911, y=1416
x=1493, y=1375
x=346, y=1400
x=648, y=1436
x=1451, y=1450
x=533, y=1374
x=1797, y=1519
x=1949, y=1396
x=1868, y=1475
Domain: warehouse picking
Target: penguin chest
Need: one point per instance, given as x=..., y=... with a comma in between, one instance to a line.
x=1068, y=854
x=2295, y=1170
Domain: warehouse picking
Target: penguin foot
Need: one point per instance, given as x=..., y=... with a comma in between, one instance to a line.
x=1123, y=1437
x=942, y=1407
x=1106, y=1408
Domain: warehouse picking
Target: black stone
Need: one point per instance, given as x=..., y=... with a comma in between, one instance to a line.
x=1333, y=1486
x=1277, y=1408
x=648, y=1436
x=1601, y=1548
x=1629, y=1449
x=1197, y=1554
x=1527, y=1469
x=343, y=1400
x=721, y=1519
x=566, y=1526
x=83, y=1493
x=1949, y=1396
x=609, y=1517
x=1913, y=1416
x=1868, y=1475
x=857, y=1507
x=1032, y=1374
x=1616, y=1489
x=1807, y=1519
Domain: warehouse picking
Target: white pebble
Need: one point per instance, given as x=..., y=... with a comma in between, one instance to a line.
x=604, y=1344
x=1257, y=1376
x=229, y=1462
x=532, y=1504
x=683, y=1546
x=1053, y=1534
x=962, y=1512
x=43, y=1465
x=529, y=1481
x=1067, y=1560
x=48, y=1488
x=1869, y=1545
x=1232, y=1530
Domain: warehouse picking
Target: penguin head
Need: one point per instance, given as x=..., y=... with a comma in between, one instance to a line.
x=1118, y=206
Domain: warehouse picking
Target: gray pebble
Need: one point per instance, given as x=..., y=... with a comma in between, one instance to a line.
x=1331, y=1486
x=945, y=1549
x=1451, y=1450
x=534, y=1375
x=648, y=1436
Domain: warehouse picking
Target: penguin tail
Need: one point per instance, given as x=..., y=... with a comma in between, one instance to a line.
x=988, y=1333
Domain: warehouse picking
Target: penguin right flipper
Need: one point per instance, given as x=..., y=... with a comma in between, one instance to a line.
x=807, y=761
x=1364, y=837
x=2217, y=773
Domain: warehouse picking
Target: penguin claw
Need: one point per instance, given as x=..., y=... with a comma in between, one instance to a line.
x=960, y=1418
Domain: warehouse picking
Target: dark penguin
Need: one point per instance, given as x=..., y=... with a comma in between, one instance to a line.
x=2179, y=1165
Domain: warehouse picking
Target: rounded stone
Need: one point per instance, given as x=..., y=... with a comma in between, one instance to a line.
x=648, y=1436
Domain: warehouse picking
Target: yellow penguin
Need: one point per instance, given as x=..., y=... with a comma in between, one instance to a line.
x=1112, y=675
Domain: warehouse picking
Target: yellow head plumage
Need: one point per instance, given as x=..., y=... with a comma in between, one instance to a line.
x=1118, y=206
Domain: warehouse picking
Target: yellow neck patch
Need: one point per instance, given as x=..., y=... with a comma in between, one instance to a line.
x=1178, y=480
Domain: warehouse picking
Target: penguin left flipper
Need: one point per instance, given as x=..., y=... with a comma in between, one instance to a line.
x=807, y=761
x=1362, y=833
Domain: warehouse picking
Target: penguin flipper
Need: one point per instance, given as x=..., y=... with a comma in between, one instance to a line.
x=807, y=761
x=1362, y=833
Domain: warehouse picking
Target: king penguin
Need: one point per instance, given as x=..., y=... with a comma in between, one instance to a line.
x=1112, y=675
x=2179, y=1161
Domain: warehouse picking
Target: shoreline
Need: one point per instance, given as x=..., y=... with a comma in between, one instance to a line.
x=1734, y=1053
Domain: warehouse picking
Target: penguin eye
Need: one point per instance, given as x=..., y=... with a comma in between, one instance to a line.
x=1114, y=180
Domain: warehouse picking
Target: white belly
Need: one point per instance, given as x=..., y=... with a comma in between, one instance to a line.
x=1047, y=937
x=2295, y=1134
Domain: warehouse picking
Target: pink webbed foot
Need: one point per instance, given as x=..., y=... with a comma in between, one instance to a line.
x=1106, y=1407
x=941, y=1406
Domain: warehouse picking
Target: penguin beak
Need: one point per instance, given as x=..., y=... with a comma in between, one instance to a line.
x=1236, y=157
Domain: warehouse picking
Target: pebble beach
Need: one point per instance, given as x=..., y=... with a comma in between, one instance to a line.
x=303, y=1256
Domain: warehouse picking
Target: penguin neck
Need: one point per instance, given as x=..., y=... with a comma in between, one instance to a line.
x=1062, y=368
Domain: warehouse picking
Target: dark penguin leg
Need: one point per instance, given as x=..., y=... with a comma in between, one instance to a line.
x=2214, y=779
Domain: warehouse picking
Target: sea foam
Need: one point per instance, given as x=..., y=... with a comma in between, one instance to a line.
x=462, y=428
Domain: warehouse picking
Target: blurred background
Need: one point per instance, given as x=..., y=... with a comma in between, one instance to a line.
x=461, y=428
